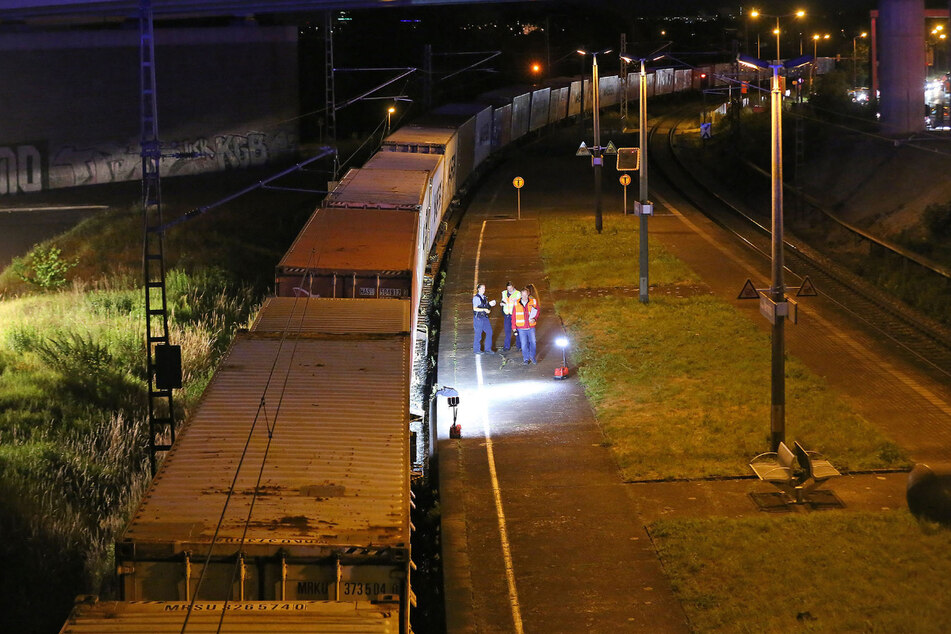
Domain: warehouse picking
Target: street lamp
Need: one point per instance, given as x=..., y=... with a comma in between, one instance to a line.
x=389, y=114
x=755, y=14
x=777, y=294
x=643, y=206
x=855, y=57
x=596, y=150
x=815, y=56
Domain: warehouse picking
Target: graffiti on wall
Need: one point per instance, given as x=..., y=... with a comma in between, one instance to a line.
x=29, y=168
x=21, y=168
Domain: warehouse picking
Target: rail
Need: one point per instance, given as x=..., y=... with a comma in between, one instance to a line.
x=931, y=344
x=896, y=249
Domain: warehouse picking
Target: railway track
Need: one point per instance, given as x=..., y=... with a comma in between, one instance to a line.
x=866, y=304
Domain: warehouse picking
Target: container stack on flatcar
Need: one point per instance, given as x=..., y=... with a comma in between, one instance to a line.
x=284, y=504
x=290, y=482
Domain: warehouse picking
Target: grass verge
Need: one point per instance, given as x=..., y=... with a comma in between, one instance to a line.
x=680, y=384
x=820, y=572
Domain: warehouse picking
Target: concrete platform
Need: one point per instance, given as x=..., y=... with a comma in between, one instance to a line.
x=540, y=533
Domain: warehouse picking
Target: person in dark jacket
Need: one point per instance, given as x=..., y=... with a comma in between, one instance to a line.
x=480, y=321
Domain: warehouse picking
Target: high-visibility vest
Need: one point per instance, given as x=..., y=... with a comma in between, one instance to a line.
x=522, y=314
x=509, y=300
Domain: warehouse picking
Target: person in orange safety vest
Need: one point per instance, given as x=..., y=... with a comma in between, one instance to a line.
x=524, y=318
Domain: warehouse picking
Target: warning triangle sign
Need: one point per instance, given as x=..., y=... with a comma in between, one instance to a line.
x=583, y=150
x=611, y=148
x=749, y=291
x=808, y=289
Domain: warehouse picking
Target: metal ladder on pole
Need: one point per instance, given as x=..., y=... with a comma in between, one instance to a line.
x=623, y=75
x=159, y=354
x=329, y=96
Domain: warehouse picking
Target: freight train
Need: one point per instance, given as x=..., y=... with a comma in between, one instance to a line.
x=284, y=504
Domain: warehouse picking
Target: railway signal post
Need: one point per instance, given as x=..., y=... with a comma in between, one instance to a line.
x=518, y=183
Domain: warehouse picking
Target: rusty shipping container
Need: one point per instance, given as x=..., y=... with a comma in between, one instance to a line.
x=424, y=139
x=240, y=617
x=352, y=253
x=291, y=477
x=435, y=199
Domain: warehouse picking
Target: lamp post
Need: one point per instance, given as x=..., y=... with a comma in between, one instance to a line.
x=389, y=114
x=776, y=293
x=597, y=158
x=643, y=207
x=855, y=57
x=815, y=56
x=755, y=14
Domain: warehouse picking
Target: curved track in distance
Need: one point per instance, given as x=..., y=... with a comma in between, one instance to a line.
x=866, y=304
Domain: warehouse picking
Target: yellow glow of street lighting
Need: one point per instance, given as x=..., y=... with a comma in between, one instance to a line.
x=815, y=37
x=940, y=27
x=775, y=31
x=943, y=36
x=800, y=14
x=826, y=36
x=391, y=110
x=864, y=34
x=536, y=68
x=754, y=13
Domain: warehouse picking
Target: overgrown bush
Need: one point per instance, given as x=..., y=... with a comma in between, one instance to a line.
x=43, y=267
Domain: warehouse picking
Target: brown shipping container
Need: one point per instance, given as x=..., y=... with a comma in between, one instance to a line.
x=435, y=200
x=292, y=475
x=354, y=253
x=160, y=617
x=313, y=317
x=428, y=139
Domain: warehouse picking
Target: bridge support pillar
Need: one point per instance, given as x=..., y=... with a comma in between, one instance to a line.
x=901, y=26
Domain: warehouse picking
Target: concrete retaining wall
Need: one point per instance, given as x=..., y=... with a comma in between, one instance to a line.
x=69, y=106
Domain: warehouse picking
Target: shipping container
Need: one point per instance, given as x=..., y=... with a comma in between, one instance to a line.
x=558, y=105
x=501, y=127
x=436, y=202
x=400, y=189
x=633, y=86
x=651, y=84
x=90, y=616
x=541, y=101
x=521, y=114
x=312, y=316
x=460, y=155
x=353, y=253
x=588, y=96
x=575, y=97
x=724, y=70
x=482, y=126
x=682, y=79
x=608, y=91
x=663, y=81
x=421, y=139
x=291, y=477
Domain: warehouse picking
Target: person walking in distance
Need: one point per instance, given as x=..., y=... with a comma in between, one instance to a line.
x=510, y=297
x=524, y=318
x=480, y=320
